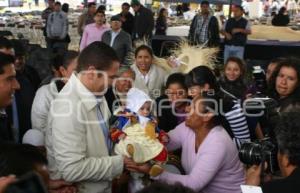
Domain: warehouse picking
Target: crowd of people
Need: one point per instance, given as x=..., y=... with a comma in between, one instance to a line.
x=106, y=121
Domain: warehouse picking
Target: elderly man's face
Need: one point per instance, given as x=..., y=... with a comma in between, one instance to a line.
x=124, y=82
x=116, y=25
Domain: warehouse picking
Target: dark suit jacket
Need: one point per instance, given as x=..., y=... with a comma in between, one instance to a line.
x=143, y=23
x=24, y=99
x=127, y=26
x=110, y=98
x=5, y=130
x=290, y=184
x=122, y=45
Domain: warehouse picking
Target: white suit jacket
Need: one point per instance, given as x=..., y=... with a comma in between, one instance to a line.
x=76, y=146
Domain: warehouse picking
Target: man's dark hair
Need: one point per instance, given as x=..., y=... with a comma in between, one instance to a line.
x=65, y=7
x=57, y=3
x=176, y=78
x=91, y=4
x=205, y=3
x=135, y=3
x=143, y=47
x=240, y=7
x=68, y=57
x=126, y=4
x=100, y=11
x=20, y=159
x=5, y=59
x=19, y=48
x=287, y=133
x=159, y=187
x=101, y=8
x=97, y=54
x=5, y=43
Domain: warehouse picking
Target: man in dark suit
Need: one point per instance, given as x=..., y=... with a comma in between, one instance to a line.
x=119, y=40
x=127, y=19
x=143, y=21
x=8, y=86
x=19, y=113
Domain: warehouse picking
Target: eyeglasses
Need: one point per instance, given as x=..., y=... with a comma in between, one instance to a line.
x=178, y=93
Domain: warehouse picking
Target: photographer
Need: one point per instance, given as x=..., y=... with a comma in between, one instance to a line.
x=287, y=134
x=285, y=82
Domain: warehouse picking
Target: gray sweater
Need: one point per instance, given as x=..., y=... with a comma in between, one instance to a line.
x=57, y=25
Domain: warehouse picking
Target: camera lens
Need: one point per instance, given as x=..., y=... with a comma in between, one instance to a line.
x=251, y=153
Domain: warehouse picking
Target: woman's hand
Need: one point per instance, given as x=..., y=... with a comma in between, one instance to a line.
x=61, y=186
x=134, y=167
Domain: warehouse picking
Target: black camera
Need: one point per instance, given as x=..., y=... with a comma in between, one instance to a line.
x=255, y=153
x=259, y=79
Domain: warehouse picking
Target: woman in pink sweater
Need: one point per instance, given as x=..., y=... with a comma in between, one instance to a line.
x=94, y=31
x=209, y=157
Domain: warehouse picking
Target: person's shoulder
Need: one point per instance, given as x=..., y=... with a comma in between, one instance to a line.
x=89, y=26
x=63, y=14
x=159, y=70
x=124, y=33
x=106, y=33
x=44, y=90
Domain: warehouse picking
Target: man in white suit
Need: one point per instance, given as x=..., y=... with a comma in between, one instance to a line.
x=78, y=145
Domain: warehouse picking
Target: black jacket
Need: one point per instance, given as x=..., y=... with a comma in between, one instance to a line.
x=280, y=20
x=290, y=184
x=143, y=23
x=161, y=26
x=238, y=39
x=213, y=32
x=127, y=26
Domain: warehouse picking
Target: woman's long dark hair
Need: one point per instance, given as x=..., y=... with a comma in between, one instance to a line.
x=202, y=75
x=161, y=14
x=237, y=87
x=291, y=62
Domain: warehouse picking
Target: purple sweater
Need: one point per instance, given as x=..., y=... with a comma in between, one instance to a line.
x=215, y=168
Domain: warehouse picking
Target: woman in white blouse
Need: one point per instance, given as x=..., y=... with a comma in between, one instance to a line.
x=149, y=77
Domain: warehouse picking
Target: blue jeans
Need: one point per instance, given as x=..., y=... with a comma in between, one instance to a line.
x=236, y=51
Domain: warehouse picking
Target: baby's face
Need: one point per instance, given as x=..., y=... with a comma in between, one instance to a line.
x=145, y=110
